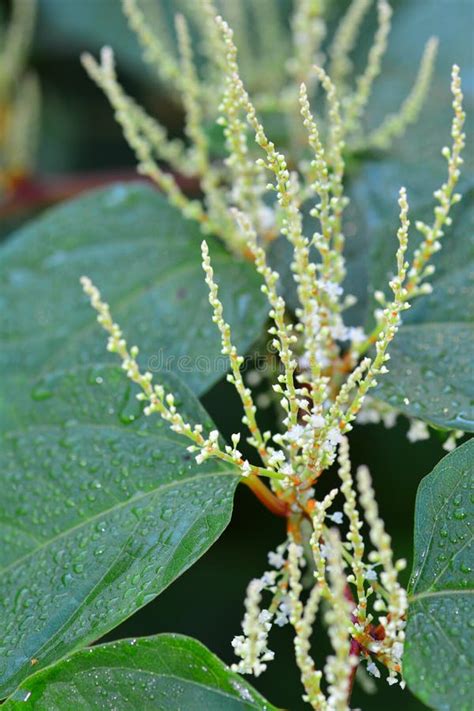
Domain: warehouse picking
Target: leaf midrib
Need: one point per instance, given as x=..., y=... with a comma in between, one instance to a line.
x=51, y=641
x=427, y=547
x=181, y=679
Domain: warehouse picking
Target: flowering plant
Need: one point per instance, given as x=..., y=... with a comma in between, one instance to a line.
x=274, y=81
x=318, y=407
x=336, y=557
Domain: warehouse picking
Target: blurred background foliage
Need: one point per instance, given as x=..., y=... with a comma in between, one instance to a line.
x=80, y=146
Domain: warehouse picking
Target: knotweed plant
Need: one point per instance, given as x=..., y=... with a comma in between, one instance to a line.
x=19, y=97
x=327, y=369
x=275, y=64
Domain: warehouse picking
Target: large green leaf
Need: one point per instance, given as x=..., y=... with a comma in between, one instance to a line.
x=163, y=673
x=432, y=374
x=439, y=659
x=146, y=259
x=101, y=509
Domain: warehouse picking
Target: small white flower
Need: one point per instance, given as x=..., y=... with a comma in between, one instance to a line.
x=269, y=578
x=397, y=650
x=338, y=331
x=295, y=433
x=276, y=560
x=389, y=419
x=276, y=458
x=264, y=616
x=449, y=444
x=336, y=517
x=333, y=437
x=325, y=550
x=373, y=669
x=281, y=619
x=356, y=334
x=246, y=468
x=418, y=431
x=317, y=421
x=283, y=615
x=332, y=289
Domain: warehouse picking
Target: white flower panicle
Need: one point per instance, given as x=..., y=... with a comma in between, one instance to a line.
x=326, y=369
x=274, y=67
x=345, y=39
x=252, y=645
x=445, y=195
x=393, y=600
x=395, y=125
x=356, y=102
x=339, y=666
x=163, y=403
x=228, y=349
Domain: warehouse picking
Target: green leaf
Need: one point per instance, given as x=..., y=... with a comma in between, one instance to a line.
x=102, y=508
x=145, y=257
x=166, y=672
x=438, y=658
x=432, y=374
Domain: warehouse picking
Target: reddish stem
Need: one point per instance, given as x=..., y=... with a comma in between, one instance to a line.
x=355, y=650
x=267, y=497
x=35, y=191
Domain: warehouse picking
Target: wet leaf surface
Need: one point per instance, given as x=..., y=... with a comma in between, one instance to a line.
x=145, y=258
x=438, y=657
x=163, y=673
x=102, y=508
x=431, y=374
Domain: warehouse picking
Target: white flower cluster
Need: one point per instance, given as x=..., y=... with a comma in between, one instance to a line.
x=366, y=605
x=326, y=369
x=252, y=645
x=274, y=68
